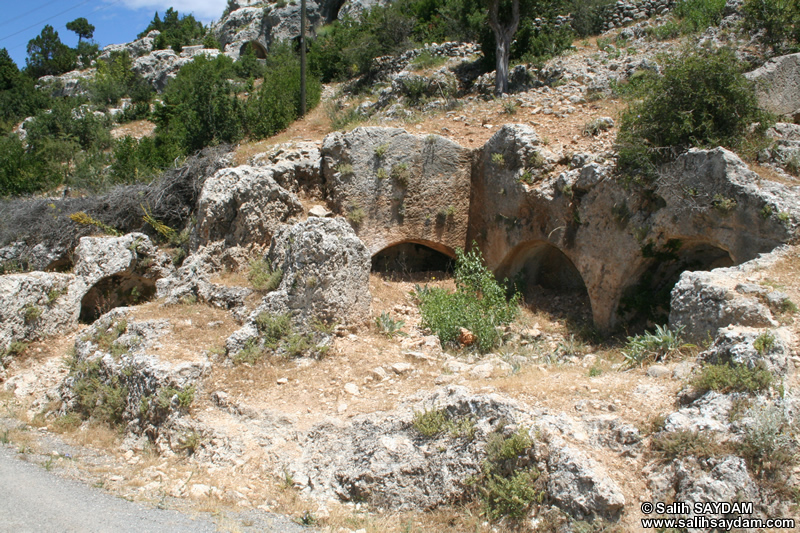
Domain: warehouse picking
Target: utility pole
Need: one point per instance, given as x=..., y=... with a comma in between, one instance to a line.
x=302, y=58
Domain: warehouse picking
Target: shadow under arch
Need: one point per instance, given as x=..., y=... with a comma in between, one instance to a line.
x=258, y=49
x=115, y=291
x=646, y=302
x=414, y=255
x=547, y=279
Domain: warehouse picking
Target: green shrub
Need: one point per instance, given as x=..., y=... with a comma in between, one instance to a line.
x=778, y=22
x=262, y=276
x=277, y=103
x=727, y=378
x=98, y=395
x=690, y=16
x=430, y=422
x=479, y=304
x=683, y=443
x=650, y=347
x=250, y=354
x=185, y=397
x=401, y=174
x=356, y=215
x=199, y=108
x=176, y=31
x=506, y=488
x=426, y=60
x=764, y=343
x=31, y=313
x=767, y=444
x=274, y=328
x=701, y=100
x=116, y=79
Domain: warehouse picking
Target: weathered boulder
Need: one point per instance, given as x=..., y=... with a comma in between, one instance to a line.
x=704, y=302
x=115, y=366
x=382, y=459
x=36, y=305
x=778, y=85
x=578, y=485
x=243, y=205
x=118, y=271
x=70, y=84
x=325, y=279
x=23, y=257
x=395, y=187
x=752, y=347
x=192, y=280
x=707, y=413
x=297, y=167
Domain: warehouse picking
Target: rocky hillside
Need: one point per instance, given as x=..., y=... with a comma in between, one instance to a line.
x=292, y=324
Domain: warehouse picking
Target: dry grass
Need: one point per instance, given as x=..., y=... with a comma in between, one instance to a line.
x=136, y=129
x=770, y=174
x=195, y=328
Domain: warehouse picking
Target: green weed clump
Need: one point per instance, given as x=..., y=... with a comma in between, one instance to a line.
x=690, y=16
x=98, y=395
x=388, y=325
x=727, y=378
x=767, y=444
x=507, y=485
x=431, y=423
x=683, y=443
x=479, y=304
x=651, y=347
x=776, y=21
x=263, y=277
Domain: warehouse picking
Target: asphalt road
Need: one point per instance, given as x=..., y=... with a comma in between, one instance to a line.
x=35, y=500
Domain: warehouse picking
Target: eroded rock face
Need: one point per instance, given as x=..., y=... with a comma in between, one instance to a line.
x=778, y=85
x=38, y=304
x=702, y=303
x=113, y=353
x=243, y=205
x=325, y=278
x=752, y=347
x=159, y=66
x=579, y=485
x=296, y=167
x=260, y=26
x=709, y=210
x=395, y=187
x=192, y=280
x=135, y=49
x=118, y=271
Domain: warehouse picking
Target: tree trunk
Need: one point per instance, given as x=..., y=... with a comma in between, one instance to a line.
x=503, y=36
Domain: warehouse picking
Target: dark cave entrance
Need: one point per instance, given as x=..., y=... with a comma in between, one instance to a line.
x=115, y=291
x=548, y=280
x=257, y=48
x=410, y=257
x=647, y=302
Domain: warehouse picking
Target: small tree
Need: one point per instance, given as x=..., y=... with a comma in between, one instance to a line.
x=82, y=27
x=504, y=31
x=47, y=55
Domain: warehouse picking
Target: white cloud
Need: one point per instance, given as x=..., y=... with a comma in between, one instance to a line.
x=204, y=10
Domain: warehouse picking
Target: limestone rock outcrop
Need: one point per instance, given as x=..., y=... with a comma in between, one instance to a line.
x=778, y=85
x=243, y=205
x=135, y=49
x=38, y=304
x=325, y=279
x=395, y=187
x=159, y=66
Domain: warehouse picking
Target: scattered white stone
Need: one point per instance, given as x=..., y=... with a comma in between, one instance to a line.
x=283, y=381
x=351, y=388
x=402, y=368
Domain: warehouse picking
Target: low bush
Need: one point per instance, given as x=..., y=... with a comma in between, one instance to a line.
x=507, y=485
x=776, y=21
x=98, y=395
x=479, y=304
x=727, y=378
x=683, y=443
x=701, y=100
x=690, y=16
x=651, y=347
x=263, y=277
x=767, y=444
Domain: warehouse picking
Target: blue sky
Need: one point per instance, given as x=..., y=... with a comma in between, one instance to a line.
x=116, y=21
